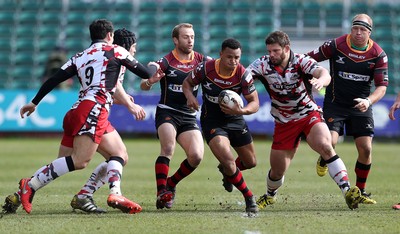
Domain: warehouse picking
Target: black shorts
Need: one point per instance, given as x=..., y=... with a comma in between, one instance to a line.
x=349, y=120
x=181, y=122
x=237, y=132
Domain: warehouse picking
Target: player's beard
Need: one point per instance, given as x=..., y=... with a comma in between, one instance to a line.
x=185, y=50
x=278, y=61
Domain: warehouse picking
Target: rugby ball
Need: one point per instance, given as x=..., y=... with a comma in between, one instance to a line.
x=227, y=97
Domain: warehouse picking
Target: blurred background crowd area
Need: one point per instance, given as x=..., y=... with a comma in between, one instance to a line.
x=33, y=32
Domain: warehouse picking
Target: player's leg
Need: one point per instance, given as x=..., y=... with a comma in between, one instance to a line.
x=192, y=143
x=280, y=162
x=220, y=147
x=83, y=200
x=319, y=139
x=336, y=123
x=362, y=130
x=167, y=136
x=83, y=152
x=116, y=161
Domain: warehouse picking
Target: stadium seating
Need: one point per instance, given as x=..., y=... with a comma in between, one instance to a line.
x=311, y=14
x=36, y=27
x=333, y=12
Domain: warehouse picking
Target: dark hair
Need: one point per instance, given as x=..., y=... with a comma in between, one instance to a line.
x=231, y=43
x=277, y=37
x=99, y=29
x=124, y=38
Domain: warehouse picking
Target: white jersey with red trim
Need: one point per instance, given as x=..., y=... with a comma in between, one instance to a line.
x=98, y=69
x=289, y=90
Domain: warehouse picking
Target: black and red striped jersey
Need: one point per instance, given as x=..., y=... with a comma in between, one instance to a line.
x=176, y=71
x=352, y=70
x=212, y=83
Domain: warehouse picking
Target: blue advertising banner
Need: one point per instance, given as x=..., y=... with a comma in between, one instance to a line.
x=260, y=123
x=49, y=114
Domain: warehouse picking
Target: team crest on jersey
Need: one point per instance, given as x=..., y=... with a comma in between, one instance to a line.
x=340, y=60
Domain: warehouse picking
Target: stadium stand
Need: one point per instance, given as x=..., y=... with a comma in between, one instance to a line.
x=32, y=29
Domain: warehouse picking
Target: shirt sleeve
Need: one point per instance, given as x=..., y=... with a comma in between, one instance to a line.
x=59, y=77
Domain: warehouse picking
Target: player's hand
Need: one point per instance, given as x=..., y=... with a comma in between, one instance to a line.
x=193, y=104
x=317, y=83
x=234, y=110
x=157, y=76
x=362, y=104
x=28, y=108
x=137, y=111
x=394, y=107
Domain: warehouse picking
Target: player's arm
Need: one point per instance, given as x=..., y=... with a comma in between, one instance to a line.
x=134, y=66
x=59, y=77
x=253, y=104
x=250, y=94
x=395, y=106
x=381, y=82
x=364, y=103
x=146, y=84
x=324, y=52
x=321, y=78
x=187, y=88
x=124, y=99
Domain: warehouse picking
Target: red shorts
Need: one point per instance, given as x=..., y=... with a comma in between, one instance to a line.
x=89, y=118
x=287, y=136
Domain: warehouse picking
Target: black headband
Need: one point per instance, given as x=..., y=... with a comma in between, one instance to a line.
x=362, y=23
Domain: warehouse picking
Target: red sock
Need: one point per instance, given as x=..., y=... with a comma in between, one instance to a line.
x=362, y=172
x=184, y=170
x=238, y=181
x=161, y=169
x=239, y=164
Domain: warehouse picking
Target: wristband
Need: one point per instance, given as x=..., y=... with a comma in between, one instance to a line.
x=369, y=101
x=148, y=83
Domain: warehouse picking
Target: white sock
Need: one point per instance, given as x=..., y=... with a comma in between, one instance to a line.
x=97, y=179
x=48, y=173
x=114, y=173
x=338, y=172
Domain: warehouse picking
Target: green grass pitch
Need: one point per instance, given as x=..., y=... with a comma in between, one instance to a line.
x=306, y=203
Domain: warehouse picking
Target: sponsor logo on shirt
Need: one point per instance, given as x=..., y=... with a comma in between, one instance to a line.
x=353, y=76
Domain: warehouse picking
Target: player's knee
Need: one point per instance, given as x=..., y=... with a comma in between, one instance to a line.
x=195, y=159
x=81, y=164
x=167, y=151
x=251, y=164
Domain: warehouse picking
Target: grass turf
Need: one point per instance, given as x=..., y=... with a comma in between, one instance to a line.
x=306, y=203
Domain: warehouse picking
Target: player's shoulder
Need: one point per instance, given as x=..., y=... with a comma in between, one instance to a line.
x=377, y=48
